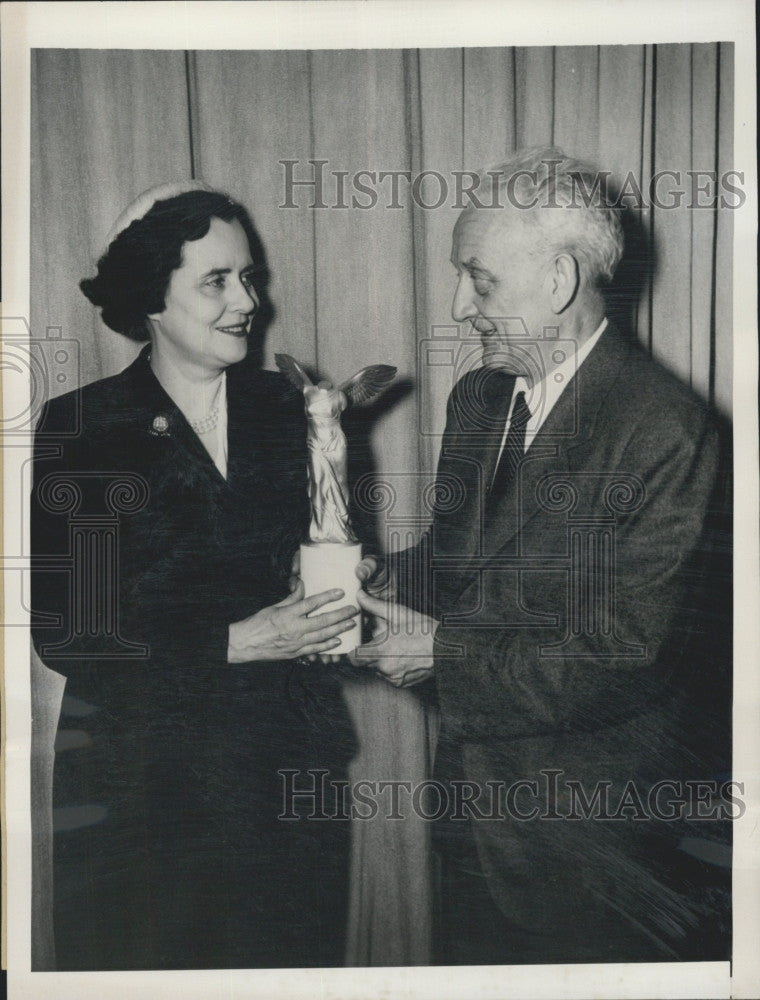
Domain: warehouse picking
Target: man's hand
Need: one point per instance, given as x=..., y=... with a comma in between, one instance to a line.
x=402, y=649
x=377, y=578
x=295, y=570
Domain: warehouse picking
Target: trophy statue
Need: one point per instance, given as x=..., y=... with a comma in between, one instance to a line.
x=332, y=553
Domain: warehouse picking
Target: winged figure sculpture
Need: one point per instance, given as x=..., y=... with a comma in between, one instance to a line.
x=328, y=465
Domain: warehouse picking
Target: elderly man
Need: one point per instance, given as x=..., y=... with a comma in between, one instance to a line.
x=560, y=607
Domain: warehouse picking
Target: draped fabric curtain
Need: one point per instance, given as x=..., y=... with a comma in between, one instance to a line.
x=352, y=285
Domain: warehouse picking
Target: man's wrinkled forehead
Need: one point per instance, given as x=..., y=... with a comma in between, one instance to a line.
x=485, y=231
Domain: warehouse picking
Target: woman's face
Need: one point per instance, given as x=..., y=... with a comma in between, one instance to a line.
x=209, y=301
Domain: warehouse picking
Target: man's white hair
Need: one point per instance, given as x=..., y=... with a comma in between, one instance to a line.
x=569, y=207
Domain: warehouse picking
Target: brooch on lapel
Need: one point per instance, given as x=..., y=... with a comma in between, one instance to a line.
x=160, y=426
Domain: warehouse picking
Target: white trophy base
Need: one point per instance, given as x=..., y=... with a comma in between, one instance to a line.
x=326, y=565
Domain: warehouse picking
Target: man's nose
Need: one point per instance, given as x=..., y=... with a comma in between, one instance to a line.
x=463, y=307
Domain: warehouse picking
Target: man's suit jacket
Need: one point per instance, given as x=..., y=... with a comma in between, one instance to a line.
x=569, y=613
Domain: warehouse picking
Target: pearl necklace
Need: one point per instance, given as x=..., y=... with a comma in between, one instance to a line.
x=208, y=423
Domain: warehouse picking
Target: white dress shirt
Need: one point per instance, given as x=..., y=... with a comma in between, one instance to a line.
x=542, y=396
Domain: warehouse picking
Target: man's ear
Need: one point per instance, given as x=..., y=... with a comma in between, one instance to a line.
x=563, y=280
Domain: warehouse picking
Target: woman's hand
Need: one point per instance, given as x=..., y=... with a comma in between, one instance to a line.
x=284, y=632
x=373, y=572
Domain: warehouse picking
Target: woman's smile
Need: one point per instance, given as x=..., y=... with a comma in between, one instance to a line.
x=237, y=330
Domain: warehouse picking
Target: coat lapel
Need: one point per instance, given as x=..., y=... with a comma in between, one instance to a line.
x=162, y=420
x=469, y=451
x=571, y=423
x=159, y=416
x=266, y=434
x=243, y=427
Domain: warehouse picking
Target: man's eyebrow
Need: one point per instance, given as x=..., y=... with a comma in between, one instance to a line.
x=474, y=264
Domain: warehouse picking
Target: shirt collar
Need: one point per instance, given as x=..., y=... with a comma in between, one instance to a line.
x=542, y=396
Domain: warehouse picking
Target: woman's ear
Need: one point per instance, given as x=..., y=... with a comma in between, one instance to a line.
x=563, y=281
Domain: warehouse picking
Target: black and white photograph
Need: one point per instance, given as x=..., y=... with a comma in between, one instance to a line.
x=380, y=499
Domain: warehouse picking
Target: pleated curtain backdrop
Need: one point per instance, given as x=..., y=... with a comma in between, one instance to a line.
x=351, y=286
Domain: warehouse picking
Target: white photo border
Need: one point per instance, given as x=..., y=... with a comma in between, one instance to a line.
x=400, y=24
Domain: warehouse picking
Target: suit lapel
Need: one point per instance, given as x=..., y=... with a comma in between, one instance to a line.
x=571, y=423
x=469, y=451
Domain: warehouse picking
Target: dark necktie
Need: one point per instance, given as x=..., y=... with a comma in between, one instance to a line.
x=514, y=449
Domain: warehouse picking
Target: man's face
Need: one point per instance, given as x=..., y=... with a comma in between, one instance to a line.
x=500, y=286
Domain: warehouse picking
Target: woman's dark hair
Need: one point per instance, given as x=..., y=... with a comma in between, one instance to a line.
x=134, y=272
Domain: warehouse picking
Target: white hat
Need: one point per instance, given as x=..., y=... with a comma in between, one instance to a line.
x=144, y=202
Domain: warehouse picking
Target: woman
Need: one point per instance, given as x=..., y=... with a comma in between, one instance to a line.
x=174, y=496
